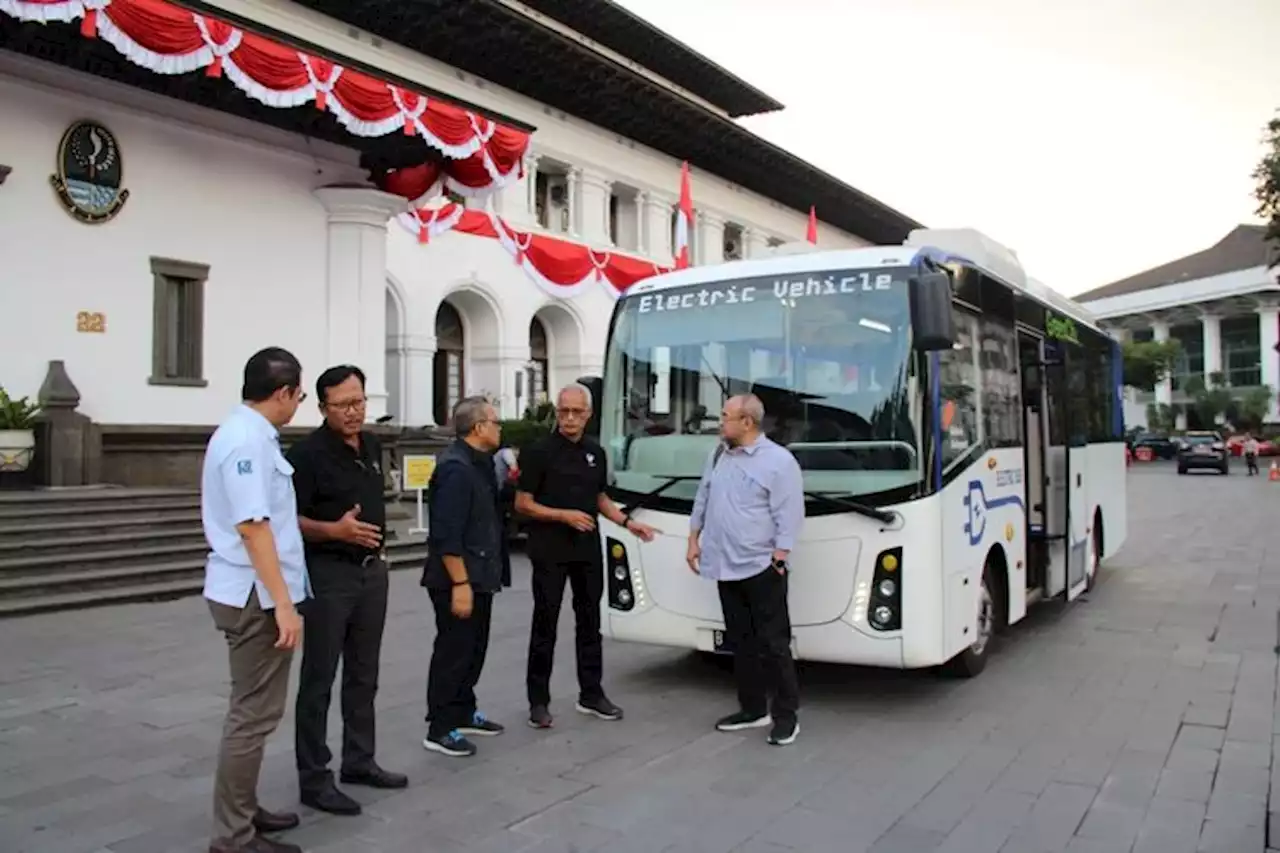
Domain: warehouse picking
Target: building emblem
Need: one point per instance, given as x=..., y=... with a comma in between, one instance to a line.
x=90, y=173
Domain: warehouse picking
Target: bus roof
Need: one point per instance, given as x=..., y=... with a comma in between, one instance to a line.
x=962, y=245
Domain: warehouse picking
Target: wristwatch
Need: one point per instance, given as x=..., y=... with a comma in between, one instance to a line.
x=778, y=565
x=465, y=582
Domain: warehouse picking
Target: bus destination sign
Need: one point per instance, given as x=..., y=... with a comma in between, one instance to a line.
x=1060, y=328
x=733, y=293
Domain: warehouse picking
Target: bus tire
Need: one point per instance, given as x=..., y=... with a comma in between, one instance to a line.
x=973, y=660
x=1097, y=552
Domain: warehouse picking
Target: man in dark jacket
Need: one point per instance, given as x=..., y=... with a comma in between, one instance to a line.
x=463, y=571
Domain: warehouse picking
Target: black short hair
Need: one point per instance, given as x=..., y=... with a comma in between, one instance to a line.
x=336, y=376
x=267, y=371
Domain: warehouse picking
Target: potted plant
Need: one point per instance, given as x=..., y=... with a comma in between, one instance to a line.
x=17, y=432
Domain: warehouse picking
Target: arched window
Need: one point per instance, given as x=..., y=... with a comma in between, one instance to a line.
x=450, y=347
x=538, y=389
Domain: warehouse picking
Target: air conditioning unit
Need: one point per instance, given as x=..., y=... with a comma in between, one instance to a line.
x=559, y=192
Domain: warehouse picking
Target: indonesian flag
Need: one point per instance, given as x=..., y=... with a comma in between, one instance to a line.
x=684, y=219
x=812, y=236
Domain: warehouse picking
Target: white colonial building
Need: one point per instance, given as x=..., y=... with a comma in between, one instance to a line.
x=179, y=189
x=1221, y=304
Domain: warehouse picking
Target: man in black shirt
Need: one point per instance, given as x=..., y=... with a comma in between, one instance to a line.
x=338, y=480
x=463, y=571
x=562, y=489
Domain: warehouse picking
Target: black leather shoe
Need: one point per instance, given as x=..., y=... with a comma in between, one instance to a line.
x=331, y=800
x=375, y=777
x=265, y=821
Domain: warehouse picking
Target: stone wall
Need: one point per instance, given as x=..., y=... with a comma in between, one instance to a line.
x=171, y=456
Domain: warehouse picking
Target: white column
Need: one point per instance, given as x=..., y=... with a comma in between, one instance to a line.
x=417, y=364
x=573, y=194
x=356, y=283
x=1164, y=388
x=1268, y=339
x=495, y=369
x=1211, y=330
x=756, y=243
x=709, y=244
x=656, y=225
x=594, y=189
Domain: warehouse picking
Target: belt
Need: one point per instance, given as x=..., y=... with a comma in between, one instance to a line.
x=370, y=559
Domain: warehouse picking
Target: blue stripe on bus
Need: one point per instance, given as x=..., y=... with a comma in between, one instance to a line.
x=935, y=397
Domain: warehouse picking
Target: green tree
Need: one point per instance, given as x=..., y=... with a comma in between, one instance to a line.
x=1209, y=399
x=1148, y=362
x=1253, y=406
x=1267, y=175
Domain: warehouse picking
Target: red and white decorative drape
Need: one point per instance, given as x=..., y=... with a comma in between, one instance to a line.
x=482, y=156
x=561, y=268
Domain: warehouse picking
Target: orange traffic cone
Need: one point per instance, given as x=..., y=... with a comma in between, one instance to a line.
x=1274, y=474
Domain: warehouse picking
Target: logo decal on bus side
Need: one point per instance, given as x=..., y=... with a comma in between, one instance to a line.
x=979, y=505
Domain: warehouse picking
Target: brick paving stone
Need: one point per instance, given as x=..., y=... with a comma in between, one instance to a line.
x=1141, y=720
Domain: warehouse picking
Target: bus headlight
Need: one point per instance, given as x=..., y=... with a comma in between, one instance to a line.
x=884, y=604
x=626, y=587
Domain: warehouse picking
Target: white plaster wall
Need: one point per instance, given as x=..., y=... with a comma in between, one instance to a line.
x=570, y=138
x=496, y=301
x=202, y=189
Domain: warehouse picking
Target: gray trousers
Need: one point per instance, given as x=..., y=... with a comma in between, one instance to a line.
x=259, y=691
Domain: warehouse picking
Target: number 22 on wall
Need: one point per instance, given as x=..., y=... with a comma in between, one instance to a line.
x=91, y=321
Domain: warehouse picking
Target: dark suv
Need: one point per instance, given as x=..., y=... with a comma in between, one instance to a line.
x=1202, y=450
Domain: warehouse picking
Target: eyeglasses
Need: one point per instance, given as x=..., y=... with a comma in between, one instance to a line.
x=566, y=412
x=348, y=405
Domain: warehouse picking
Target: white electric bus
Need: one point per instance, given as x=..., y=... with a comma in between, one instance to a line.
x=958, y=425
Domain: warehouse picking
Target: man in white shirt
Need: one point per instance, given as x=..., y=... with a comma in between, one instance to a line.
x=255, y=575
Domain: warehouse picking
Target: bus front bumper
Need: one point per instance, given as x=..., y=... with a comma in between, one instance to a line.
x=832, y=642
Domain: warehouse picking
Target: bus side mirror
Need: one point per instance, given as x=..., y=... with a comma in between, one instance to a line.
x=595, y=385
x=932, y=321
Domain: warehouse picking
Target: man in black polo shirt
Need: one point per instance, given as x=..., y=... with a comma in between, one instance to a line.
x=463, y=571
x=338, y=479
x=562, y=489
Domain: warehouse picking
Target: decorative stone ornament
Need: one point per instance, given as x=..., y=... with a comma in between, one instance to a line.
x=90, y=176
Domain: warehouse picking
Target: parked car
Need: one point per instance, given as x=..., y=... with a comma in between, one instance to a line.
x=1203, y=450
x=1161, y=446
x=1235, y=446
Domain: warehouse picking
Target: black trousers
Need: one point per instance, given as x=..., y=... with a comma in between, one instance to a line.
x=586, y=581
x=1251, y=460
x=758, y=627
x=344, y=621
x=456, y=661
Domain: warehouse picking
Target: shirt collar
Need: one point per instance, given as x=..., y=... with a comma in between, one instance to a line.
x=750, y=449
x=258, y=421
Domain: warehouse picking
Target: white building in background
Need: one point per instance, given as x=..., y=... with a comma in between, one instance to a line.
x=255, y=221
x=1221, y=304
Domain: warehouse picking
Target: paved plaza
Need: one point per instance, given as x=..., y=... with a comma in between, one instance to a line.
x=1141, y=720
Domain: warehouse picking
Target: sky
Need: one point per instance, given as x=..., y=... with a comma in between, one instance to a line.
x=1096, y=138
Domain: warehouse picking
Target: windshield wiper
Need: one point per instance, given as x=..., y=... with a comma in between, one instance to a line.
x=667, y=483
x=841, y=499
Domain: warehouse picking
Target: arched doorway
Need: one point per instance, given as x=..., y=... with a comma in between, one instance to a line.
x=539, y=361
x=449, y=368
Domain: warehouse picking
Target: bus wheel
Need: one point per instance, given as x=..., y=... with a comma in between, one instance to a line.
x=973, y=660
x=1097, y=554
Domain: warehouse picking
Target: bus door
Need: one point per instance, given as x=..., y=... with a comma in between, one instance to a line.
x=1031, y=360
x=1065, y=516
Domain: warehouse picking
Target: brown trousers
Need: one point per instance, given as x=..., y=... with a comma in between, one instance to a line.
x=259, y=690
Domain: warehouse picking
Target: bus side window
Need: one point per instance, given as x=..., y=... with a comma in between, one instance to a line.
x=961, y=391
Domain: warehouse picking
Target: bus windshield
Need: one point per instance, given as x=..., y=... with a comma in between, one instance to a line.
x=828, y=353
